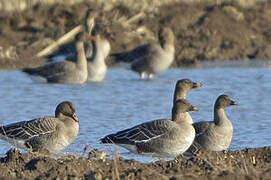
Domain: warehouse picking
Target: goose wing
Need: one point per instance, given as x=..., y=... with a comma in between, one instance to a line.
x=201, y=127
x=135, y=54
x=26, y=130
x=49, y=69
x=141, y=133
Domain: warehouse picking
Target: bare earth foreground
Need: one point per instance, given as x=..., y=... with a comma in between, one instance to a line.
x=244, y=164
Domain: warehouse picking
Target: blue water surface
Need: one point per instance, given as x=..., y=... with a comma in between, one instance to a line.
x=122, y=101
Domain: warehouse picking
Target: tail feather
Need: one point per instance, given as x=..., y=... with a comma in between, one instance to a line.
x=111, y=139
x=120, y=57
x=31, y=71
x=107, y=140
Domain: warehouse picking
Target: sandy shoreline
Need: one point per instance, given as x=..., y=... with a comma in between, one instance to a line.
x=251, y=163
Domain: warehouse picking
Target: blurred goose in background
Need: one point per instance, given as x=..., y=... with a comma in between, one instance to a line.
x=97, y=67
x=89, y=25
x=181, y=89
x=161, y=138
x=51, y=133
x=151, y=58
x=65, y=71
x=97, y=49
x=215, y=135
x=67, y=51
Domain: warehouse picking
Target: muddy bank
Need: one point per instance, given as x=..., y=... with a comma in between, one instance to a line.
x=204, y=31
x=243, y=164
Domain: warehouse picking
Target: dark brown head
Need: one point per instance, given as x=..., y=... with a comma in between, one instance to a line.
x=186, y=84
x=67, y=109
x=224, y=101
x=182, y=87
x=166, y=35
x=182, y=106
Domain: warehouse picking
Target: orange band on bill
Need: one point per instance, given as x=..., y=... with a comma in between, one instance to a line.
x=75, y=118
x=194, y=108
x=91, y=37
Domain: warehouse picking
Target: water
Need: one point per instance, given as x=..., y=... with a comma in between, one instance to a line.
x=122, y=101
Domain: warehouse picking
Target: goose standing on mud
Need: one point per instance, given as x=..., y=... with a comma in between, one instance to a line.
x=161, y=138
x=65, y=71
x=51, y=133
x=215, y=135
x=181, y=89
x=151, y=58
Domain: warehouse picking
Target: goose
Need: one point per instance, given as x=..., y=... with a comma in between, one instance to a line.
x=161, y=138
x=97, y=67
x=51, y=133
x=65, y=71
x=181, y=88
x=215, y=135
x=151, y=58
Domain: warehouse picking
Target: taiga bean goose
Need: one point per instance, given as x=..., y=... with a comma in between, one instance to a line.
x=65, y=71
x=97, y=50
x=181, y=89
x=161, y=138
x=97, y=67
x=215, y=135
x=51, y=133
x=151, y=58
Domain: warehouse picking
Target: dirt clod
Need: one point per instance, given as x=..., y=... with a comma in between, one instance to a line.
x=204, y=165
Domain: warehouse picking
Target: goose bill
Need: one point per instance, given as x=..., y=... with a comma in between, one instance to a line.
x=234, y=103
x=194, y=108
x=75, y=117
x=195, y=85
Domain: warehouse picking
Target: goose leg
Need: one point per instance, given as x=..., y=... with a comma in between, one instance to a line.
x=142, y=75
x=150, y=76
